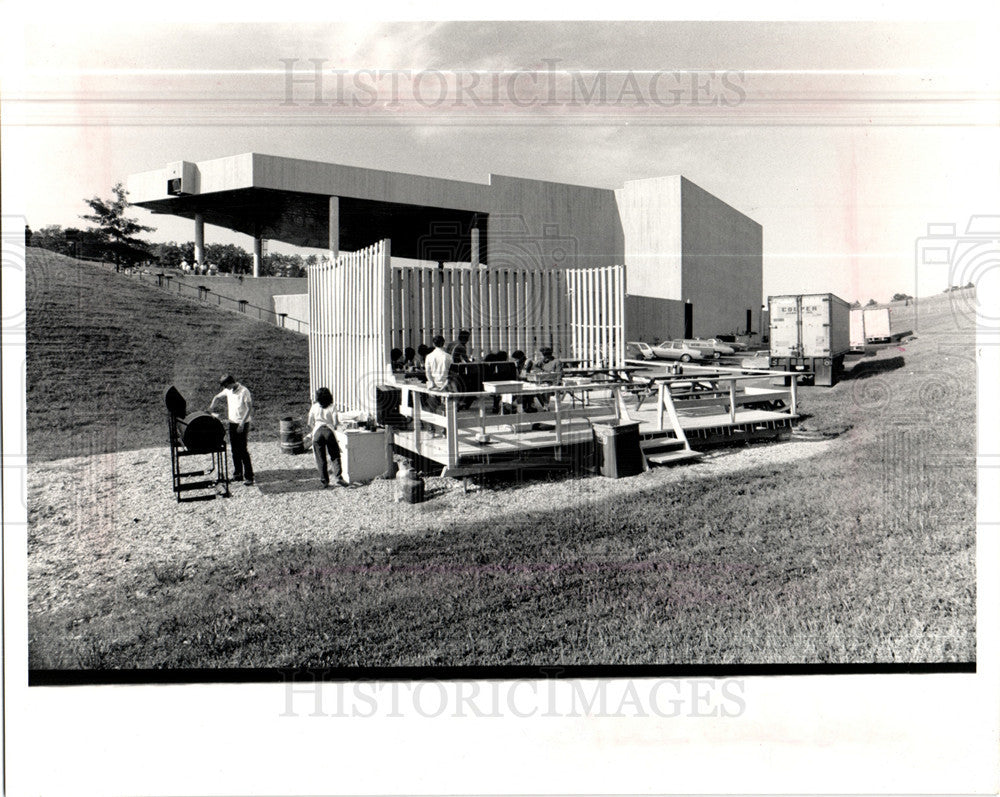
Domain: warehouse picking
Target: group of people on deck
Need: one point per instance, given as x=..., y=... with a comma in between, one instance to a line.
x=436, y=362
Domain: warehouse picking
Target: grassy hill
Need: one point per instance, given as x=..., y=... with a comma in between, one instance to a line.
x=102, y=348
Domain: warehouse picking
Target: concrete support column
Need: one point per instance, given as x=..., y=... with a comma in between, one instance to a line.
x=258, y=254
x=199, y=239
x=475, y=246
x=334, y=242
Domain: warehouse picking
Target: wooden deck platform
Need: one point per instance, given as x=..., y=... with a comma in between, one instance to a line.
x=483, y=441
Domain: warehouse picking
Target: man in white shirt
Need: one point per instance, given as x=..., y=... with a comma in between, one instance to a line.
x=240, y=411
x=436, y=367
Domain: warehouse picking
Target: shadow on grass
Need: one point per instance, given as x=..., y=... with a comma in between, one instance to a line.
x=866, y=368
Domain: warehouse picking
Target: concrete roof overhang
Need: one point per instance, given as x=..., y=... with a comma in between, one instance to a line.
x=302, y=219
x=287, y=199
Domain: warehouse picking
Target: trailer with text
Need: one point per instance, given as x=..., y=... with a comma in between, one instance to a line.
x=810, y=332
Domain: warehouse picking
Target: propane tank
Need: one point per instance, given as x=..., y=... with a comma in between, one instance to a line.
x=409, y=486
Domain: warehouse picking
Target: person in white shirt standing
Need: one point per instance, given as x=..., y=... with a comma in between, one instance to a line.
x=323, y=419
x=240, y=405
x=436, y=367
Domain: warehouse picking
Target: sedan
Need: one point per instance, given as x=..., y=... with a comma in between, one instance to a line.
x=710, y=348
x=637, y=350
x=676, y=350
x=732, y=342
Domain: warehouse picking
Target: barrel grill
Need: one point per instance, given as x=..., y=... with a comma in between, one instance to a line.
x=197, y=434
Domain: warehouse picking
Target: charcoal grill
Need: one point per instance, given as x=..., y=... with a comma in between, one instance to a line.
x=197, y=434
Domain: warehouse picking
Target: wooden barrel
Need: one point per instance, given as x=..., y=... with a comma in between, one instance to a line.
x=291, y=436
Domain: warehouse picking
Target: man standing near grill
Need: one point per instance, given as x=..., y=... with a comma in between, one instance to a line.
x=240, y=404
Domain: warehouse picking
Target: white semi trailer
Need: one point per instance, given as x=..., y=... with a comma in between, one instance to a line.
x=877, y=325
x=810, y=332
x=870, y=325
x=857, y=329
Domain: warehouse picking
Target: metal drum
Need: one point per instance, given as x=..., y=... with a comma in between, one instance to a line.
x=291, y=436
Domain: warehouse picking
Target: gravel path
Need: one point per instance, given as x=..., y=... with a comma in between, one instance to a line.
x=103, y=523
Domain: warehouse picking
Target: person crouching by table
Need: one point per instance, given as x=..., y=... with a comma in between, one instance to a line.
x=324, y=420
x=240, y=410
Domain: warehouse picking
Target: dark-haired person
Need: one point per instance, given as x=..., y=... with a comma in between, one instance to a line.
x=409, y=359
x=422, y=351
x=240, y=410
x=396, y=358
x=459, y=349
x=545, y=363
x=324, y=420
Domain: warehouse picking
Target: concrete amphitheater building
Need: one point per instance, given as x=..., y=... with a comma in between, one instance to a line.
x=693, y=263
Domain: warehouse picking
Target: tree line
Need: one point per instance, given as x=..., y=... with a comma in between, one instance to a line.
x=227, y=258
x=115, y=238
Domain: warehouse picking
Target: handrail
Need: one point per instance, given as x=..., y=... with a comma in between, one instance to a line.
x=530, y=391
x=203, y=294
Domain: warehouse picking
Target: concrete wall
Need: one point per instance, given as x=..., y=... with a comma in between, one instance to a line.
x=722, y=262
x=296, y=305
x=653, y=320
x=650, y=215
x=259, y=292
x=538, y=224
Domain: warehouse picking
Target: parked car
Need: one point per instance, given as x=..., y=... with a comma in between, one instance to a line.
x=733, y=342
x=638, y=350
x=676, y=350
x=710, y=348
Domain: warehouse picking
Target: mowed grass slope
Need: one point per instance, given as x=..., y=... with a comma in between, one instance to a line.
x=102, y=348
x=863, y=554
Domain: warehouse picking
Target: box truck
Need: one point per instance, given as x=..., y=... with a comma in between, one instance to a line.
x=857, y=329
x=877, y=325
x=810, y=332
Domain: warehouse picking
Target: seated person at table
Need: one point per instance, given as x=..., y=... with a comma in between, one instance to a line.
x=544, y=363
x=459, y=349
x=496, y=357
x=422, y=351
x=521, y=359
x=409, y=359
x=527, y=403
x=396, y=358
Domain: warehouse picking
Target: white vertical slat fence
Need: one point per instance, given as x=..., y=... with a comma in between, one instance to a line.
x=351, y=325
x=364, y=305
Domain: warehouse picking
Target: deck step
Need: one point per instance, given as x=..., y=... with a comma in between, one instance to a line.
x=669, y=457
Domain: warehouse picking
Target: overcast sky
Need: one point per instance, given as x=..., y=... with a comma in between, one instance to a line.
x=844, y=140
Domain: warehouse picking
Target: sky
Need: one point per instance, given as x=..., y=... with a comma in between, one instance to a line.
x=843, y=140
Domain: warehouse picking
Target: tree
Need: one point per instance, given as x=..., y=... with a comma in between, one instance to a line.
x=855, y=305
x=901, y=297
x=228, y=258
x=871, y=303
x=116, y=231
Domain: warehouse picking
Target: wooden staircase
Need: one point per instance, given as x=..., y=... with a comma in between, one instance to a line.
x=670, y=446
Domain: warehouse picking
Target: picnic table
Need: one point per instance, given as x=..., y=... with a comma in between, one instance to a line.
x=619, y=373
